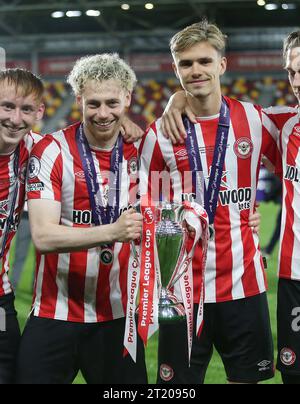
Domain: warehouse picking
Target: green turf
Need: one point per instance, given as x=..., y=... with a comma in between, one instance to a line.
x=215, y=374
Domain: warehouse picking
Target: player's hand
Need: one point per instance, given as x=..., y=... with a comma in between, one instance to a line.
x=129, y=226
x=130, y=131
x=254, y=221
x=172, y=125
x=191, y=231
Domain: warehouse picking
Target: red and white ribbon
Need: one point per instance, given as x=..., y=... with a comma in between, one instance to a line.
x=197, y=218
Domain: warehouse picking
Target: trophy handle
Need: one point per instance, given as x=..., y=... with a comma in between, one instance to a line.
x=176, y=274
x=134, y=250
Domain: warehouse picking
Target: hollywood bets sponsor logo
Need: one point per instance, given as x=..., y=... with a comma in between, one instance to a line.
x=166, y=372
x=287, y=357
x=240, y=197
x=86, y=217
x=292, y=174
x=243, y=148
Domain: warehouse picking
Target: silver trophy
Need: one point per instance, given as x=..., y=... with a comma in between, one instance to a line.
x=171, y=237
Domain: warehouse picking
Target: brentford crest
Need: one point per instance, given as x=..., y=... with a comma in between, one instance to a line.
x=166, y=372
x=287, y=357
x=243, y=148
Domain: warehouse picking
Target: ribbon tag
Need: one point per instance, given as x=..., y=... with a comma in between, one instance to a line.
x=147, y=276
x=197, y=218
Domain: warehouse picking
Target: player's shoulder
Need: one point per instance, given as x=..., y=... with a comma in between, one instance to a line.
x=235, y=105
x=281, y=110
x=67, y=133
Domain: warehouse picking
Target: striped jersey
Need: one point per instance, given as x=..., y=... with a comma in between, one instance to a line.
x=8, y=182
x=287, y=120
x=234, y=264
x=78, y=286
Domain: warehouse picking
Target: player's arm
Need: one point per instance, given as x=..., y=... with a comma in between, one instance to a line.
x=49, y=236
x=172, y=123
x=254, y=220
x=130, y=131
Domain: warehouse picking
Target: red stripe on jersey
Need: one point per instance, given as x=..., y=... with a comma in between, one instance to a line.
x=242, y=130
x=76, y=284
x=49, y=288
x=103, y=309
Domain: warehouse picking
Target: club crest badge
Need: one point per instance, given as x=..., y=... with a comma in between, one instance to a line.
x=243, y=148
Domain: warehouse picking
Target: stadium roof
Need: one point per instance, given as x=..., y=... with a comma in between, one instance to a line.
x=29, y=17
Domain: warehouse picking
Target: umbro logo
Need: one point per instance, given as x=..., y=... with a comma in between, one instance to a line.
x=264, y=365
x=181, y=154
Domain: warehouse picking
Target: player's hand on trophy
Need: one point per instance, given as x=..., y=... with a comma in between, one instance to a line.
x=254, y=221
x=130, y=131
x=191, y=230
x=172, y=124
x=129, y=226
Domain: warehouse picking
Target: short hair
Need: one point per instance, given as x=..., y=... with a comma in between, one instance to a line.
x=101, y=68
x=202, y=31
x=24, y=81
x=290, y=42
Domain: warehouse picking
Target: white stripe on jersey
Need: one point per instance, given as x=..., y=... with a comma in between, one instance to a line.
x=38, y=288
x=61, y=308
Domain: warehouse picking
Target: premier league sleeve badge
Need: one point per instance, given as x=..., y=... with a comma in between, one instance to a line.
x=106, y=256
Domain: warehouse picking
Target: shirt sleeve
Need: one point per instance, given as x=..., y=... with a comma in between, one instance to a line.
x=152, y=164
x=271, y=147
x=45, y=171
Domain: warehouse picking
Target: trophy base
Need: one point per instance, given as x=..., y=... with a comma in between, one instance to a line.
x=170, y=310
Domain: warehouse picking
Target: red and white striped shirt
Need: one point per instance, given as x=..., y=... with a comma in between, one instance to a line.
x=7, y=188
x=287, y=120
x=234, y=264
x=77, y=286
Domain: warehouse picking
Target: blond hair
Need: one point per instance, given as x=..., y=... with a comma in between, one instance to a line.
x=101, y=68
x=202, y=31
x=290, y=42
x=24, y=81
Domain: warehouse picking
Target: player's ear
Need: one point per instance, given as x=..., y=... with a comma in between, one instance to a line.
x=223, y=65
x=175, y=70
x=40, y=112
x=79, y=100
